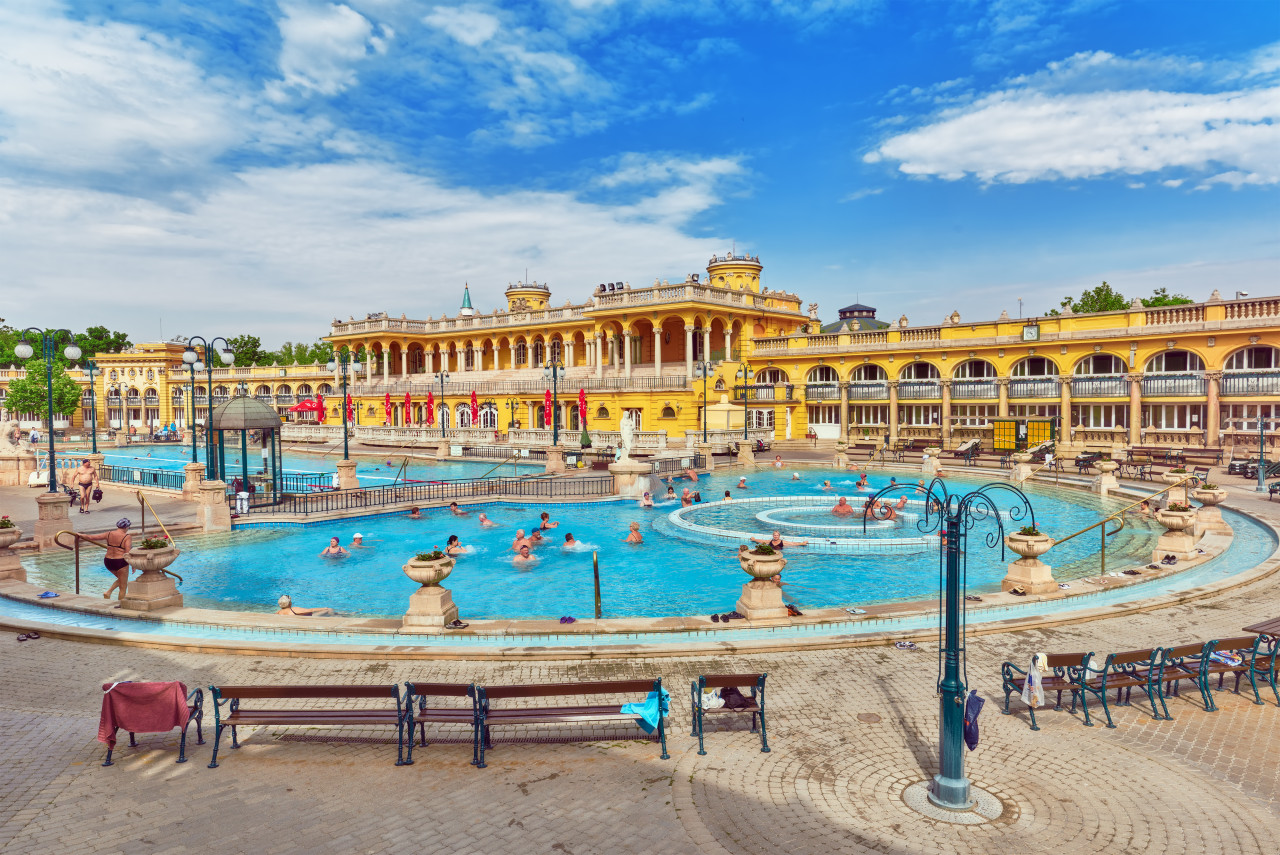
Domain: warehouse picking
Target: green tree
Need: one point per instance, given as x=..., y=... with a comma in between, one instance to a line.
x=95, y=340
x=1100, y=299
x=30, y=394
x=248, y=350
x=303, y=353
x=1162, y=297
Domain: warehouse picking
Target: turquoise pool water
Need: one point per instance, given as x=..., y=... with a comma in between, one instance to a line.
x=372, y=469
x=672, y=572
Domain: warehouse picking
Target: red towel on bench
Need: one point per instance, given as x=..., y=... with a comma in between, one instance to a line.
x=141, y=708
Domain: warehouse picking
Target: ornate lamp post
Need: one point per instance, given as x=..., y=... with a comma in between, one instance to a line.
x=203, y=361
x=345, y=359
x=443, y=376
x=745, y=374
x=91, y=367
x=513, y=407
x=1262, y=452
x=955, y=515
x=704, y=370
x=49, y=348
x=554, y=372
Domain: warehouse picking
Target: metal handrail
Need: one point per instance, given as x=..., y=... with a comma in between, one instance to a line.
x=76, y=548
x=512, y=460
x=144, y=504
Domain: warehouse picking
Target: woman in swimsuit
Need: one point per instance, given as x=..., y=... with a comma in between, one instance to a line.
x=778, y=543
x=334, y=549
x=86, y=478
x=454, y=546
x=287, y=608
x=119, y=542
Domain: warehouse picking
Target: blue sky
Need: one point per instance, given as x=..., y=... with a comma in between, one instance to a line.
x=235, y=166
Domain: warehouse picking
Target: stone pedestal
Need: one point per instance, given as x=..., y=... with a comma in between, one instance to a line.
x=194, y=473
x=704, y=448
x=1022, y=468
x=53, y=509
x=431, y=607
x=625, y=474
x=1029, y=573
x=841, y=459
x=10, y=565
x=1178, y=540
x=746, y=456
x=1106, y=480
x=929, y=466
x=555, y=459
x=121, y=438
x=761, y=598
x=1208, y=518
x=154, y=589
x=347, y=479
x=212, y=512
x=16, y=468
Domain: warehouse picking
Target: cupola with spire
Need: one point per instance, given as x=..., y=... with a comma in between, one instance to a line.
x=466, y=310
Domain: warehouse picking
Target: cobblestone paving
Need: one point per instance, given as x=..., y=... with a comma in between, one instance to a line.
x=850, y=731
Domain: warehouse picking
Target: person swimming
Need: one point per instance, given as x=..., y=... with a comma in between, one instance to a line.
x=727, y=495
x=742, y=483
x=546, y=522
x=520, y=541
x=524, y=556
x=634, y=536
x=454, y=546
x=357, y=541
x=795, y=476
x=671, y=492
x=415, y=514
x=334, y=549
x=647, y=501
x=862, y=482
x=485, y=522
x=456, y=511
x=288, y=609
x=691, y=474
x=535, y=536
x=826, y=486
x=777, y=543
x=569, y=542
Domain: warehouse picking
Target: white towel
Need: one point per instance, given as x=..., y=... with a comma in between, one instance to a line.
x=1033, y=688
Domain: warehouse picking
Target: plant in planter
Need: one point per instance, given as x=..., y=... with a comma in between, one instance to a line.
x=1202, y=487
x=1179, y=471
x=160, y=542
x=1029, y=531
x=764, y=549
x=434, y=555
x=1178, y=507
x=5, y=522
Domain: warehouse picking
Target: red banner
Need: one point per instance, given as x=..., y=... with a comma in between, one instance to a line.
x=351, y=411
x=386, y=409
x=475, y=411
x=546, y=409
x=431, y=409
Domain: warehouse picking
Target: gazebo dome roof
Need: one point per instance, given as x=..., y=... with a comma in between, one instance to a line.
x=245, y=413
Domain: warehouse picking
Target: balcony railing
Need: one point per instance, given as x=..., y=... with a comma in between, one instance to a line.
x=1104, y=386
x=868, y=390
x=822, y=392
x=284, y=399
x=971, y=389
x=1251, y=383
x=915, y=390
x=1173, y=386
x=1038, y=387
x=768, y=392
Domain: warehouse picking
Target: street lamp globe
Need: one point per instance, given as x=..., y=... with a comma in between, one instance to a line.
x=356, y=366
x=23, y=350
x=199, y=366
x=227, y=357
x=72, y=352
x=331, y=366
x=189, y=355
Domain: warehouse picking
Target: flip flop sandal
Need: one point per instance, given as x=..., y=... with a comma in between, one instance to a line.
x=714, y=619
x=1018, y=592
x=23, y=637
x=570, y=620
x=856, y=611
x=906, y=645
x=973, y=599
x=1063, y=585
x=457, y=624
x=33, y=635
x=47, y=595
x=736, y=616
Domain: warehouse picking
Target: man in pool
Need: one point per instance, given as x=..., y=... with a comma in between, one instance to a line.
x=456, y=511
x=334, y=549
x=842, y=508
x=485, y=522
x=524, y=556
x=690, y=474
x=546, y=522
x=357, y=541
x=520, y=541
x=535, y=536
x=288, y=609
x=742, y=483
x=569, y=542
x=415, y=514
x=920, y=487
x=686, y=498
x=634, y=536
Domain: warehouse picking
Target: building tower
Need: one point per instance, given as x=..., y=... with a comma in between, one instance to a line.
x=735, y=272
x=466, y=311
x=527, y=296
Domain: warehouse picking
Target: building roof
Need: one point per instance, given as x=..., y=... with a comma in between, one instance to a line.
x=858, y=307
x=244, y=413
x=466, y=296
x=854, y=325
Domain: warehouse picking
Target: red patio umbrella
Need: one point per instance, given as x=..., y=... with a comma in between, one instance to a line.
x=582, y=406
x=431, y=408
x=546, y=408
x=351, y=411
x=386, y=409
x=475, y=411
x=322, y=412
x=307, y=406
x=408, y=408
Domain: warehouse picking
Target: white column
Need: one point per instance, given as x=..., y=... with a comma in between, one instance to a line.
x=599, y=357
x=657, y=352
x=728, y=351
x=568, y=353
x=706, y=344
x=626, y=353
x=368, y=365
x=511, y=349
x=688, y=352
x=386, y=365
x=404, y=362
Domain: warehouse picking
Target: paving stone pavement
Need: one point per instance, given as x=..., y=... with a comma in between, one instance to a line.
x=850, y=730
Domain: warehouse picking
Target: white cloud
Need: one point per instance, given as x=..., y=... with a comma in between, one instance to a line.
x=473, y=27
x=862, y=194
x=1058, y=125
x=282, y=250
x=322, y=43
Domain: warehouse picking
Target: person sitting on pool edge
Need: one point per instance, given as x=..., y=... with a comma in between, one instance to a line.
x=634, y=536
x=523, y=555
x=454, y=546
x=414, y=513
x=842, y=508
x=456, y=511
x=334, y=549
x=288, y=609
x=546, y=522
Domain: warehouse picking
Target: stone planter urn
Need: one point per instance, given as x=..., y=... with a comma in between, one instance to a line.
x=1021, y=466
x=761, y=599
x=1106, y=480
x=10, y=565
x=1177, y=540
x=1177, y=495
x=1208, y=517
x=431, y=607
x=1029, y=573
x=154, y=589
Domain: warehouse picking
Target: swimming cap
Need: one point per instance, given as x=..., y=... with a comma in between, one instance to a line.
x=123, y=522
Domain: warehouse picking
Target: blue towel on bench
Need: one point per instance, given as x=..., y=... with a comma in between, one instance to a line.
x=650, y=710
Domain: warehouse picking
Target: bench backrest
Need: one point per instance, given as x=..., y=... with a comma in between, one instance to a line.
x=1130, y=657
x=1242, y=642
x=383, y=691
x=724, y=681
x=1184, y=650
x=439, y=690
x=549, y=690
x=1066, y=660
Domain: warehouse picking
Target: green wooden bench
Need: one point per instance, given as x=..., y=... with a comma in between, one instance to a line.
x=755, y=703
x=421, y=706
x=1124, y=672
x=1064, y=673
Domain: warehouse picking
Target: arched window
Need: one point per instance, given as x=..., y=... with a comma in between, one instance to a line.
x=870, y=373
x=668, y=413
x=719, y=384
x=1034, y=366
x=972, y=369
x=325, y=389
x=522, y=353
x=1253, y=359
x=442, y=416
x=823, y=374
x=284, y=389
x=489, y=416
x=919, y=371
x=602, y=413
x=1174, y=362
x=221, y=391
x=263, y=390
x=304, y=389
x=1101, y=363
x=557, y=351
x=539, y=353
x=464, y=415
x=767, y=376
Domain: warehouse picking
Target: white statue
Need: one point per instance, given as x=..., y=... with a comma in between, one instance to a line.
x=11, y=441
x=627, y=428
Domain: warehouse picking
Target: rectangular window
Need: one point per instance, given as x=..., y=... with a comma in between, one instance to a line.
x=869, y=414
x=1034, y=411
x=1244, y=417
x=824, y=414
x=973, y=415
x=760, y=419
x=919, y=415
x=1100, y=415
x=1173, y=416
